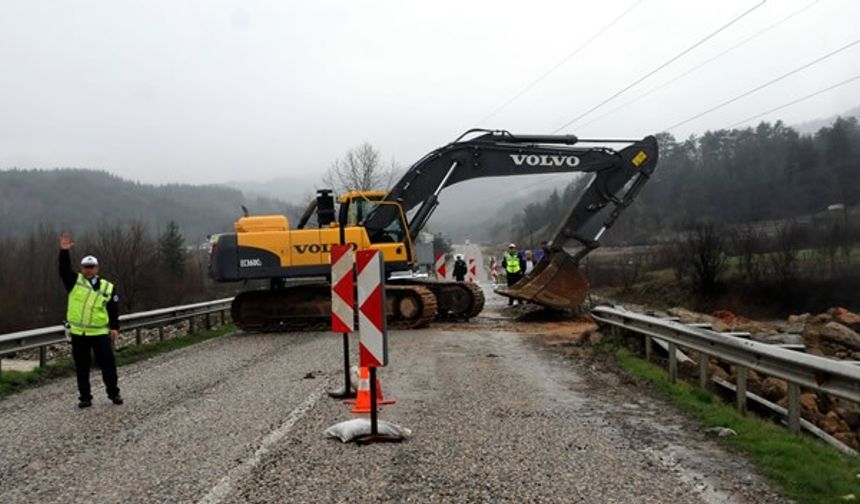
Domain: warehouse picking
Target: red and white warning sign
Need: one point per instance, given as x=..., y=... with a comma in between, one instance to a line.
x=441, y=269
x=342, y=288
x=473, y=270
x=373, y=339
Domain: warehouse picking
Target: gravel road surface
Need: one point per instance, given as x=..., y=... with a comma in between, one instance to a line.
x=496, y=417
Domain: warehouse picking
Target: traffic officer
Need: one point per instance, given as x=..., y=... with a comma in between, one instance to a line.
x=513, y=267
x=92, y=316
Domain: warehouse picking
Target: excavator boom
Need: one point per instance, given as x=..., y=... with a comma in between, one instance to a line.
x=557, y=282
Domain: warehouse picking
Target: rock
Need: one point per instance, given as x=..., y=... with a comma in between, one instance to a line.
x=578, y=337
x=796, y=328
x=833, y=424
x=595, y=337
x=721, y=431
x=725, y=316
x=831, y=338
x=851, y=417
x=821, y=318
x=778, y=339
x=809, y=403
x=799, y=319
x=689, y=317
x=848, y=438
x=718, y=371
x=720, y=326
x=774, y=389
x=845, y=317
x=739, y=323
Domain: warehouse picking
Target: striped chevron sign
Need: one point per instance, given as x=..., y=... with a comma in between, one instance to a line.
x=473, y=270
x=441, y=270
x=373, y=338
x=342, y=286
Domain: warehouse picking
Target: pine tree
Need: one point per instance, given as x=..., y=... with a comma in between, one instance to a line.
x=171, y=246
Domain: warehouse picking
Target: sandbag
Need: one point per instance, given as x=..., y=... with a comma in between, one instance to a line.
x=357, y=427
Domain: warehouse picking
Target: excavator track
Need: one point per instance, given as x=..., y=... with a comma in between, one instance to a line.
x=455, y=300
x=308, y=308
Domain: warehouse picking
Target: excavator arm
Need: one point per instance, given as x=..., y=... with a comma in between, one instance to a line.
x=499, y=154
x=557, y=281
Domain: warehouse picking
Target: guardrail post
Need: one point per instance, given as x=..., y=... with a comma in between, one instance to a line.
x=741, y=388
x=673, y=363
x=137, y=338
x=160, y=333
x=704, y=372
x=192, y=326
x=793, y=407
x=649, y=347
x=43, y=356
x=223, y=317
x=208, y=321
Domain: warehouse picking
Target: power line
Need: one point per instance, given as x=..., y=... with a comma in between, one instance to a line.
x=702, y=64
x=762, y=86
x=798, y=100
x=560, y=63
x=664, y=65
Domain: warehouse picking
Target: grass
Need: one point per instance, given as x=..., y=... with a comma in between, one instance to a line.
x=16, y=381
x=802, y=468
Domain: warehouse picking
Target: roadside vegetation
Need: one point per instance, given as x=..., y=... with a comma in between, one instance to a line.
x=803, y=469
x=15, y=381
x=760, y=271
x=151, y=269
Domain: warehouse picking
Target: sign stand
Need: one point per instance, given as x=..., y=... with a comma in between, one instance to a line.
x=342, y=287
x=373, y=337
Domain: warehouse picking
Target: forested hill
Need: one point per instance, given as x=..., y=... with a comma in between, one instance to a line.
x=78, y=200
x=730, y=177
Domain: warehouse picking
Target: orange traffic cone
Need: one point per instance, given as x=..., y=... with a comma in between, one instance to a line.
x=361, y=403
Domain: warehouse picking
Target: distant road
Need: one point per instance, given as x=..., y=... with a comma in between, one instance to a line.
x=241, y=419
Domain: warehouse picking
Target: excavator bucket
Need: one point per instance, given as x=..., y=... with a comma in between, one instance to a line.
x=555, y=283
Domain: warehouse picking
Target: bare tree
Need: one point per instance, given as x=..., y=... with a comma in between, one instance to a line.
x=703, y=254
x=361, y=169
x=783, y=261
x=747, y=244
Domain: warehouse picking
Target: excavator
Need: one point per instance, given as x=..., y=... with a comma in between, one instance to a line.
x=296, y=262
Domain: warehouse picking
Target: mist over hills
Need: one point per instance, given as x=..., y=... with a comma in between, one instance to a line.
x=810, y=127
x=79, y=200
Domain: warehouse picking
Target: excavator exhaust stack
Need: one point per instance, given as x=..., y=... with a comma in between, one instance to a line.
x=556, y=282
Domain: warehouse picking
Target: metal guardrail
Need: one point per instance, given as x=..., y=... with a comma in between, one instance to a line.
x=840, y=379
x=42, y=337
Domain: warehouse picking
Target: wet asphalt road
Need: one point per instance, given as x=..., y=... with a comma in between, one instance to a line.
x=240, y=419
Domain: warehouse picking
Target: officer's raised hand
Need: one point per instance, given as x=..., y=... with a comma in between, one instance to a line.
x=66, y=242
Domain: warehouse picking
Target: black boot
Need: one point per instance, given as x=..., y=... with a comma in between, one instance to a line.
x=117, y=399
x=85, y=403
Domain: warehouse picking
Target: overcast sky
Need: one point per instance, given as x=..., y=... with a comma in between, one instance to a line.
x=209, y=91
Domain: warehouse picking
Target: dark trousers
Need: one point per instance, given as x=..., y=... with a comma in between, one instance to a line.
x=512, y=279
x=83, y=347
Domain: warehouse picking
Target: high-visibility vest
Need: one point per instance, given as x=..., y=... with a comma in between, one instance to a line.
x=512, y=262
x=87, y=309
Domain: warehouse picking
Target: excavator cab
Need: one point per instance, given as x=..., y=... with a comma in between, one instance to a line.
x=356, y=206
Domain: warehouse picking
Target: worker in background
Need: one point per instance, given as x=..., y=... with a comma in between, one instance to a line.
x=544, y=247
x=529, y=262
x=513, y=263
x=460, y=269
x=92, y=318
